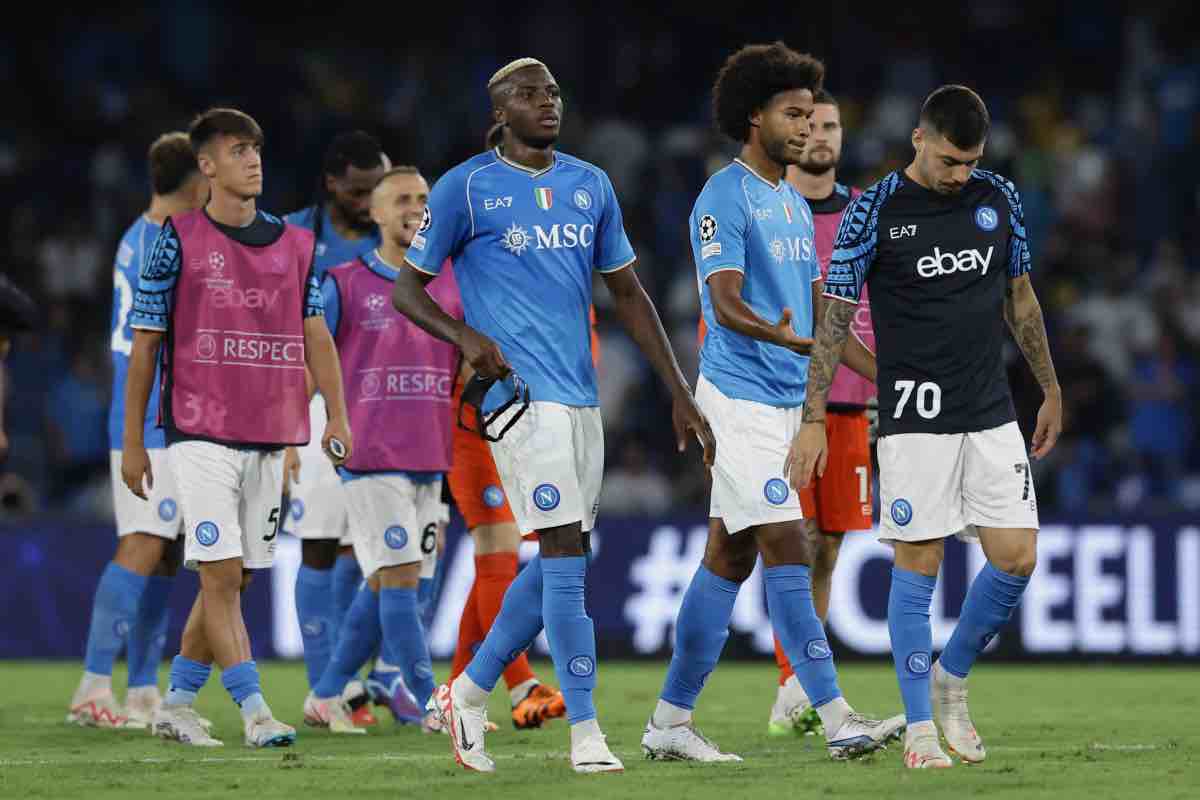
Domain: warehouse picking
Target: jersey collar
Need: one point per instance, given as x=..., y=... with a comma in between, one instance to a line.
x=774, y=186
x=376, y=263
x=533, y=173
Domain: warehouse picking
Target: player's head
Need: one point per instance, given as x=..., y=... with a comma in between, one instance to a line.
x=764, y=95
x=398, y=204
x=824, y=149
x=526, y=103
x=354, y=163
x=174, y=171
x=228, y=146
x=950, y=137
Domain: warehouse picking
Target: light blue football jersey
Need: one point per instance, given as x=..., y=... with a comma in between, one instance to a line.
x=524, y=245
x=132, y=252
x=743, y=222
x=331, y=249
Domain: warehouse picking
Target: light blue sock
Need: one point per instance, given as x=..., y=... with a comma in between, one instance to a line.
x=186, y=680
x=241, y=681
x=700, y=633
x=516, y=626
x=360, y=635
x=314, y=609
x=990, y=603
x=404, y=641
x=570, y=632
x=347, y=577
x=795, y=620
x=912, y=639
x=149, y=634
x=114, y=613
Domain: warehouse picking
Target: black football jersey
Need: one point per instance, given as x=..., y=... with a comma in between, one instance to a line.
x=937, y=267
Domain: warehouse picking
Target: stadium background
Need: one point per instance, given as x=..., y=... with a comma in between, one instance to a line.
x=1096, y=116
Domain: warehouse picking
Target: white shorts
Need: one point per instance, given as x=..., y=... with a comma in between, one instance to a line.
x=934, y=485
x=551, y=464
x=160, y=515
x=318, y=501
x=230, y=502
x=395, y=522
x=748, y=487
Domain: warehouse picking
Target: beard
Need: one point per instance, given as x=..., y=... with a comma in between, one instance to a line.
x=536, y=141
x=818, y=167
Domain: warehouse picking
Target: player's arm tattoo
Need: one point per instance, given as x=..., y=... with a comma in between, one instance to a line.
x=1023, y=313
x=826, y=353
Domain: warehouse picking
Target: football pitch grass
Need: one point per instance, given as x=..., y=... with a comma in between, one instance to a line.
x=1051, y=732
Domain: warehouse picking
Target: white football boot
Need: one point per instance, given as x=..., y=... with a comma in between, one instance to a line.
x=922, y=750
x=263, y=730
x=858, y=735
x=680, y=743
x=949, y=695
x=182, y=724
x=97, y=709
x=591, y=754
x=331, y=713
x=466, y=724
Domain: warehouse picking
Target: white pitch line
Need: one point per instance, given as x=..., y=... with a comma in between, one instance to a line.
x=541, y=755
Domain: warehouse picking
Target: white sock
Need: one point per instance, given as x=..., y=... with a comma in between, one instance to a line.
x=141, y=691
x=519, y=692
x=667, y=715
x=383, y=666
x=920, y=729
x=833, y=714
x=794, y=692
x=91, y=682
x=944, y=676
x=468, y=692
x=584, y=730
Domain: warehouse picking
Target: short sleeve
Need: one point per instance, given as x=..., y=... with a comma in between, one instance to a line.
x=314, y=301
x=332, y=302
x=1019, y=260
x=156, y=282
x=853, y=249
x=719, y=225
x=613, y=250
x=445, y=226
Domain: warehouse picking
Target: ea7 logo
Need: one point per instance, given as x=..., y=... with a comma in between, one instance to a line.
x=902, y=231
x=948, y=263
x=492, y=203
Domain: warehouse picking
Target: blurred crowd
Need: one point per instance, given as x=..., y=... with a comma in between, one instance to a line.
x=1096, y=117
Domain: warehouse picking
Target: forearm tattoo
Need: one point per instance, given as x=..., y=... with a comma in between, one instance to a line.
x=1029, y=329
x=827, y=352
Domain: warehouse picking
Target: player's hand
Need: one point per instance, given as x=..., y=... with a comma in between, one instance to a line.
x=483, y=354
x=3, y=445
x=786, y=336
x=1049, y=425
x=873, y=419
x=135, y=464
x=337, y=428
x=291, y=467
x=808, y=450
x=687, y=416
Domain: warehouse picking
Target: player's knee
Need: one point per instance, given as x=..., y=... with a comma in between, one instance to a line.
x=140, y=553
x=404, y=576
x=318, y=553
x=828, y=547
x=1022, y=563
x=220, y=577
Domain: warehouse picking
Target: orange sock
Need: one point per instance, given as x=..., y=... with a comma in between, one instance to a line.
x=493, y=574
x=785, y=668
x=469, y=633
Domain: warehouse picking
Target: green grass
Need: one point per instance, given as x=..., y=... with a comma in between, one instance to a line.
x=1052, y=732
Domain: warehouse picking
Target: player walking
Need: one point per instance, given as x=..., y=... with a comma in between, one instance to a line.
x=230, y=288
x=527, y=226
x=942, y=246
x=130, y=607
x=840, y=501
x=752, y=240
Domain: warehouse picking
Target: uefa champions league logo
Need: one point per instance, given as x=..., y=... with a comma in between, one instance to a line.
x=370, y=384
x=206, y=346
x=777, y=249
x=216, y=262
x=375, y=303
